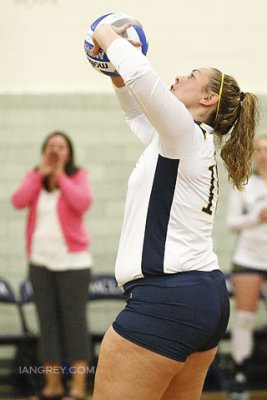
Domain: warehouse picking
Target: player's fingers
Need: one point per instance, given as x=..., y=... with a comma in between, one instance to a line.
x=121, y=29
x=95, y=49
x=135, y=43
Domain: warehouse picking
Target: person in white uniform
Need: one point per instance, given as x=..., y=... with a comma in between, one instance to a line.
x=247, y=217
x=161, y=345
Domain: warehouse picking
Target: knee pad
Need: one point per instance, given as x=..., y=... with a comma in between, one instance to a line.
x=244, y=320
x=242, y=338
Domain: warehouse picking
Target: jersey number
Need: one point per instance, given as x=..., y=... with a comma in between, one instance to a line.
x=208, y=208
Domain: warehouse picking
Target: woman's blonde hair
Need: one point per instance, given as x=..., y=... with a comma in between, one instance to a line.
x=238, y=115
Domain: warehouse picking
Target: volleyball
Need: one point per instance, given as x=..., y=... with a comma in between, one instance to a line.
x=136, y=33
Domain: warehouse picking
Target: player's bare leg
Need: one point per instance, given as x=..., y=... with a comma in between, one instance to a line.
x=188, y=383
x=128, y=371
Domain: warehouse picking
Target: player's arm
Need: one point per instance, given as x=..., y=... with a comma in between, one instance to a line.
x=134, y=116
x=168, y=115
x=237, y=219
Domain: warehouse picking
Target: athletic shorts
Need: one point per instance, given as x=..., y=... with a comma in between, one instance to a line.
x=237, y=269
x=175, y=315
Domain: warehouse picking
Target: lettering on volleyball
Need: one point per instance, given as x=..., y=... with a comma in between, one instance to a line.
x=208, y=209
x=98, y=64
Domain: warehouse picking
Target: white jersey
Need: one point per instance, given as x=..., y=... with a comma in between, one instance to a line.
x=243, y=218
x=173, y=189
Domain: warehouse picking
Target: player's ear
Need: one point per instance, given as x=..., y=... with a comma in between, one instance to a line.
x=209, y=99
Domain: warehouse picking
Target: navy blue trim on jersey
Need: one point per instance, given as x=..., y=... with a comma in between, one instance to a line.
x=203, y=130
x=158, y=215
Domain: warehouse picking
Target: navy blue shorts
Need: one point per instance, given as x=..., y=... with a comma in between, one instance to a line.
x=175, y=315
x=239, y=269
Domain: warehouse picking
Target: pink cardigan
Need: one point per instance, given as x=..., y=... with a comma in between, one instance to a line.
x=75, y=198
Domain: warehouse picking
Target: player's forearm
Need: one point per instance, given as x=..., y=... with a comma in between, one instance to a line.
x=104, y=35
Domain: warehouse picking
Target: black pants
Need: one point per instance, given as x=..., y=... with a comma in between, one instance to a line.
x=60, y=298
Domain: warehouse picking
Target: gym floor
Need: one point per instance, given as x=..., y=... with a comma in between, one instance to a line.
x=255, y=395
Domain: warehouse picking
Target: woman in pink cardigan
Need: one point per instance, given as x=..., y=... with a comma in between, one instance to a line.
x=57, y=194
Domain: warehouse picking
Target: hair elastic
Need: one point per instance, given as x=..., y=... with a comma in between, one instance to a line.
x=220, y=96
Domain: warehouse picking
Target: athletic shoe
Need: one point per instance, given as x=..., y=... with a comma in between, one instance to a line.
x=238, y=389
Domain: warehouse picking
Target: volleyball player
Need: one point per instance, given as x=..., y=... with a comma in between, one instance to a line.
x=162, y=343
x=247, y=217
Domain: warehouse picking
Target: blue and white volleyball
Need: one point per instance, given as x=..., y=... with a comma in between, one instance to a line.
x=136, y=33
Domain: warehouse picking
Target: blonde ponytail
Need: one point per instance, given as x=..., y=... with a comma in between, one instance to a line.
x=238, y=116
